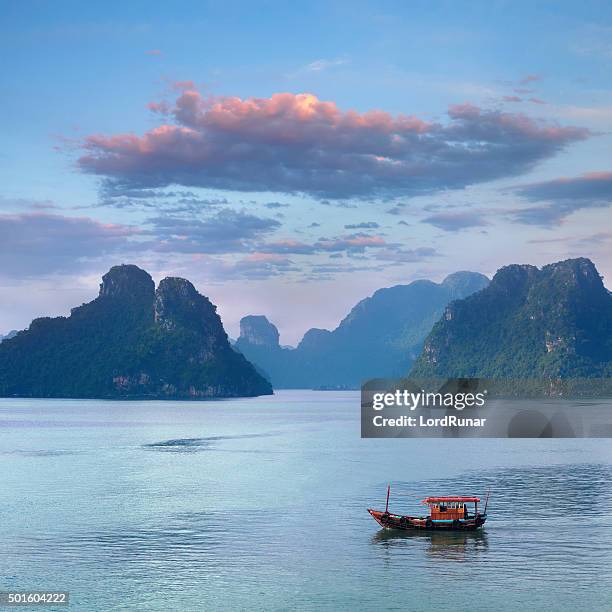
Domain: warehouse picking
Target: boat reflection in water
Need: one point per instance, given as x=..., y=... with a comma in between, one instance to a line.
x=439, y=545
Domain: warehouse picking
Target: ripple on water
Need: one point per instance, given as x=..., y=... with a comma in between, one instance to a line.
x=198, y=444
x=546, y=525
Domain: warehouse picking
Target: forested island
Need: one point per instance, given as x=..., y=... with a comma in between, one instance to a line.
x=133, y=341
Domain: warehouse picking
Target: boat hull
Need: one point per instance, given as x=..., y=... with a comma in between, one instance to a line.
x=397, y=521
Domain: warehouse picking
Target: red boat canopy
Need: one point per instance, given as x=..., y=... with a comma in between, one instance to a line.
x=452, y=498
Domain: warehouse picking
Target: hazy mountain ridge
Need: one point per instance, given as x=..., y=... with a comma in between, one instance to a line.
x=132, y=341
x=135, y=340
x=381, y=336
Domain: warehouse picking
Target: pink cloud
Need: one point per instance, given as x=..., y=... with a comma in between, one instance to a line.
x=264, y=257
x=163, y=108
x=357, y=242
x=153, y=52
x=351, y=242
x=530, y=78
x=298, y=143
x=512, y=99
x=288, y=246
x=588, y=179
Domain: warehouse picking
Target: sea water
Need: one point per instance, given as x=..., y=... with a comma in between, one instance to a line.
x=260, y=504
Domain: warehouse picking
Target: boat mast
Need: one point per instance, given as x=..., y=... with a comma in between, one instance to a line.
x=387, y=505
x=487, y=500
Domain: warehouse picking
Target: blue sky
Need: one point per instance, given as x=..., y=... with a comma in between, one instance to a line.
x=179, y=136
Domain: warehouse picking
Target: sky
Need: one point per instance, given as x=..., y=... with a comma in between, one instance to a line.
x=290, y=159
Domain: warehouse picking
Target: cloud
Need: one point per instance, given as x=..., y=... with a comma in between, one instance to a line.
x=530, y=78
x=256, y=266
x=168, y=201
x=406, y=255
x=456, y=221
x=364, y=225
x=512, y=99
x=288, y=247
x=215, y=269
x=153, y=52
x=260, y=266
x=324, y=64
x=379, y=261
x=184, y=85
x=39, y=244
x=351, y=243
x=563, y=196
x=228, y=231
x=597, y=238
x=300, y=144
x=537, y=101
x=589, y=187
x=20, y=204
x=354, y=246
x=596, y=116
x=329, y=271
x=276, y=205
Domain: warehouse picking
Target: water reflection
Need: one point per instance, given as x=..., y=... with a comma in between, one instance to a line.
x=440, y=545
x=545, y=523
x=130, y=526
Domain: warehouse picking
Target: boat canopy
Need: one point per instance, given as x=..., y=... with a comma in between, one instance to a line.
x=452, y=498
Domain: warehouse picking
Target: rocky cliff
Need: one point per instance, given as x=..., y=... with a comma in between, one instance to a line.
x=528, y=323
x=258, y=331
x=132, y=341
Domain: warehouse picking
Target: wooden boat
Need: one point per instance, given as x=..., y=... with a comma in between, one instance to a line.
x=449, y=513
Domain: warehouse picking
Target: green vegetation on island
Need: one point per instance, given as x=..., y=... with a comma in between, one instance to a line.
x=548, y=325
x=132, y=341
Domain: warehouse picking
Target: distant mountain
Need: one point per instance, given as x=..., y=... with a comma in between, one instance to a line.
x=528, y=323
x=132, y=341
x=259, y=342
x=8, y=336
x=380, y=337
x=256, y=330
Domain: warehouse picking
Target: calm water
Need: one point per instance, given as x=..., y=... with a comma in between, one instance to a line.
x=260, y=505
